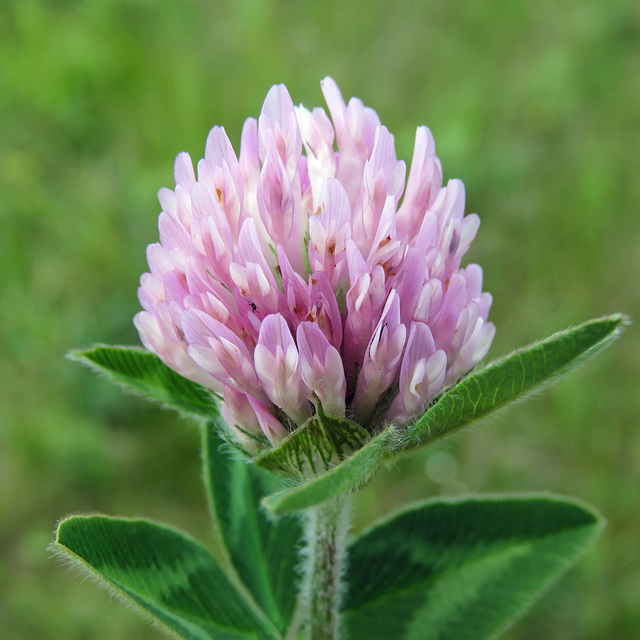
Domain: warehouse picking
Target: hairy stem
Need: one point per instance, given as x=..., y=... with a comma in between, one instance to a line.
x=326, y=533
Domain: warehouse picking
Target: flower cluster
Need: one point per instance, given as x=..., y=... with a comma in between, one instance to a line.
x=293, y=274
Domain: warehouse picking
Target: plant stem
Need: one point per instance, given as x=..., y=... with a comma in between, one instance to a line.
x=326, y=533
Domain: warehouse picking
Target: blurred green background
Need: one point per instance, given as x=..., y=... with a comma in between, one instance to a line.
x=536, y=106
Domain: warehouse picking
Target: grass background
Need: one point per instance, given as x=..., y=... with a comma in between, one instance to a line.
x=536, y=106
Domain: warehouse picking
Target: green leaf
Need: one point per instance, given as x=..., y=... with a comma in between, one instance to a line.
x=460, y=570
x=320, y=443
x=143, y=372
x=169, y=576
x=263, y=551
x=344, y=477
x=509, y=378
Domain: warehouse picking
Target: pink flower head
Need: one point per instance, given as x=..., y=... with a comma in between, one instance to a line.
x=295, y=274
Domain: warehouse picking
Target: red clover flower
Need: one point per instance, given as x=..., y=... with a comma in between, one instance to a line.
x=293, y=274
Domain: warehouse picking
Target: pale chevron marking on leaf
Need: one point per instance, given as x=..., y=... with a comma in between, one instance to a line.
x=165, y=573
x=460, y=569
